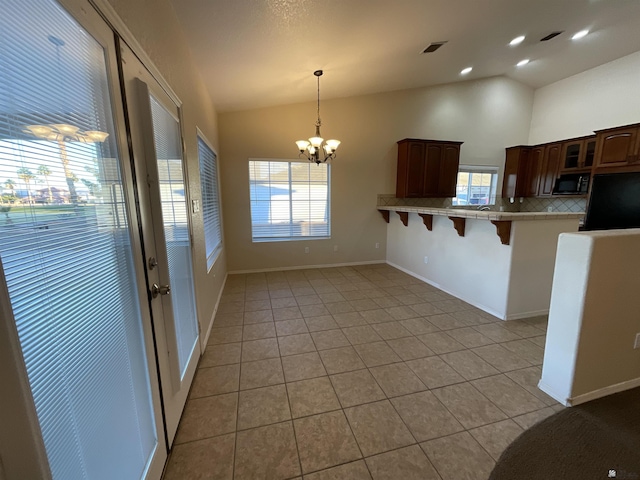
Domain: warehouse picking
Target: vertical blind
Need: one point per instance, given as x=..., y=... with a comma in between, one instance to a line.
x=168, y=146
x=289, y=200
x=66, y=251
x=210, y=200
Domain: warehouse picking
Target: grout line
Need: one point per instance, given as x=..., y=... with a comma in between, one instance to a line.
x=395, y=284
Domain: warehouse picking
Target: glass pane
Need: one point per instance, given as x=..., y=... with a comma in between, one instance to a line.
x=288, y=200
x=176, y=229
x=66, y=250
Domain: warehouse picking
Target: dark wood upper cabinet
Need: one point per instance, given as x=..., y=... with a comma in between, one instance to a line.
x=531, y=171
x=578, y=154
x=618, y=147
x=516, y=182
x=549, y=169
x=427, y=168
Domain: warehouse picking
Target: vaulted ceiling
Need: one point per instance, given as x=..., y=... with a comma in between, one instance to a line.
x=257, y=53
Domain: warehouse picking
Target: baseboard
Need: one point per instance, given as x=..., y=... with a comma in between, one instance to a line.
x=553, y=394
x=306, y=267
x=203, y=345
x=484, y=308
x=603, y=392
x=520, y=316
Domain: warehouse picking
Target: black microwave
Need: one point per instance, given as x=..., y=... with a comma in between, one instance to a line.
x=572, y=184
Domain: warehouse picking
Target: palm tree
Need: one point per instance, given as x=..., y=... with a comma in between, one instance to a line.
x=44, y=171
x=11, y=185
x=26, y=176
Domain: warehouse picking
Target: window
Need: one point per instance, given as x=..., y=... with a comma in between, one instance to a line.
x=210, y=201
x=476, y=185
x=289, y=200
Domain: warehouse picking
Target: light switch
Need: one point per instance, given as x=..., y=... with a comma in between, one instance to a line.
x=195, y=206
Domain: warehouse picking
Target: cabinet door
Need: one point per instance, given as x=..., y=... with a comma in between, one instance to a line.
x=514, y=172
x=549, y=169
x=588, y=153
x=571, y=154
x=449, y=171
x=415, y=170
x=532, y=176
x=433, y=162
x=616, y=148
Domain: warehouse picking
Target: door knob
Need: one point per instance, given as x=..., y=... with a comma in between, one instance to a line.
x=160, y=290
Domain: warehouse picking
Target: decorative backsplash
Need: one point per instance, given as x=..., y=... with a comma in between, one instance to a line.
x=556, y=204
x=573, y=205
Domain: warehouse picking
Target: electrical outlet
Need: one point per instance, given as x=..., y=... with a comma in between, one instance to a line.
x=377, y=245
x=636, y=344
x=550, y=208
x=335, y=248
x=426, y=260
x=306, y=249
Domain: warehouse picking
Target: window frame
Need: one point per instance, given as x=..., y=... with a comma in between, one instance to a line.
x=211, y=256
x=265, y=239
x=493, y=170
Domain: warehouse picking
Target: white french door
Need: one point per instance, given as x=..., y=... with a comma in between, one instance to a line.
x=75, y=329
x=163, y=192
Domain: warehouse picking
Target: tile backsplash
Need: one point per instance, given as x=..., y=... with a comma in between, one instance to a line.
x=557, y=204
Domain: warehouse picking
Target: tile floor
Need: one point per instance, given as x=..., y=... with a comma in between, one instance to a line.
x=356, y=373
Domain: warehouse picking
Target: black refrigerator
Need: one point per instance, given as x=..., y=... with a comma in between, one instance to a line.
x=614, y=202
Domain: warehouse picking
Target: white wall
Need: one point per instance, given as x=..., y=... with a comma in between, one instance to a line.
x=532, y=263
x=594, y=317
x=603, y=97
x=509, y=281
x=487, y=115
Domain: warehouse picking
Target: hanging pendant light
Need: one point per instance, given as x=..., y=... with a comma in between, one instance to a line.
x=316, y=149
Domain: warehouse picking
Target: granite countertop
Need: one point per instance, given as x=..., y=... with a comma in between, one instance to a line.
x=484, y=214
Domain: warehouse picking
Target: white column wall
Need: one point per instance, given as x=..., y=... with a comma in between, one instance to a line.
x=594, y=317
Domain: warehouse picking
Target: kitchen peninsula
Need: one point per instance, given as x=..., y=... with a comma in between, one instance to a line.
x=500, y=262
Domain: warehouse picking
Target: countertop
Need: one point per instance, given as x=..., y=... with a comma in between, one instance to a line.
x=484, y=214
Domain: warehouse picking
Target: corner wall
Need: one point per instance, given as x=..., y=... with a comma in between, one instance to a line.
x=594, y=317
x=155, y=26
x=603, y=97
x=487, y=115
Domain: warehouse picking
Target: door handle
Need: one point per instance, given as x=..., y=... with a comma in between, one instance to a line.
x=160, y=290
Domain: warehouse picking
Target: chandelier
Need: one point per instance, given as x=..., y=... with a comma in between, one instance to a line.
x=316, y=149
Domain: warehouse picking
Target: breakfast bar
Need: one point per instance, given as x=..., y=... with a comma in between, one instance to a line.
x=500, y=262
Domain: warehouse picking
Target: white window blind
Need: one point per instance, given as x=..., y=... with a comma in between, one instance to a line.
x=210, y=201
x=289, y=200
x=168, y=149
x=65, y=247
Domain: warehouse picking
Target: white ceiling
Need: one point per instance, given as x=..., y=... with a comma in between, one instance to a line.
x=257, y=53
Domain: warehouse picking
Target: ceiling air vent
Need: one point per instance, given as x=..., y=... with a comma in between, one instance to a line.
x=433, y=47
x=550, y=36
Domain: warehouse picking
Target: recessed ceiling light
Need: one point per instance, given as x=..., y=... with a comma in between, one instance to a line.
x=516, y=41
x=580, y=34
x=466, y=70
x=522, y=63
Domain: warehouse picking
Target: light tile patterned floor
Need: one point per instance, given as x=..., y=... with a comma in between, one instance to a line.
x=356, y=373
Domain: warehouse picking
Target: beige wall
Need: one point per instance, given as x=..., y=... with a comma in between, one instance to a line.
x=487, y=115
x=156, y=28
x=603, y=97
x=594, y=317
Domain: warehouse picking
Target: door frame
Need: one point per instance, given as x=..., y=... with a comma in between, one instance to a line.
x=138, y=82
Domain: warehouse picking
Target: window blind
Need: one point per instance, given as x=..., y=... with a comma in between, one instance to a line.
x=210, y=201
x=168, y=147
x=289, y=200
x=66, y=251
